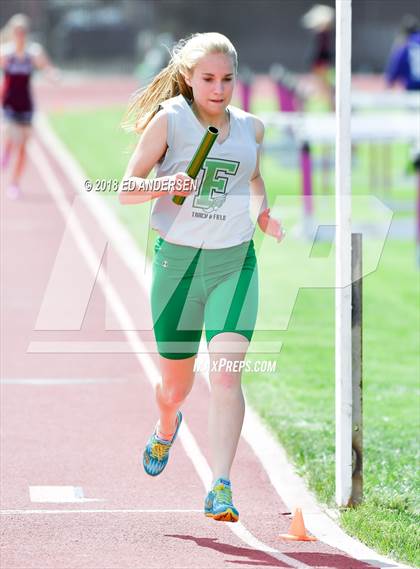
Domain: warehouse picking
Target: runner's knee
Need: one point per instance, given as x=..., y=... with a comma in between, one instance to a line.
x=225, y=380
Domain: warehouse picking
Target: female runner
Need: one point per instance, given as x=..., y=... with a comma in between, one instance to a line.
x=204, y=268
x=18, y=59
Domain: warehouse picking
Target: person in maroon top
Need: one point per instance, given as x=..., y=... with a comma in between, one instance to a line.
x=18, y=60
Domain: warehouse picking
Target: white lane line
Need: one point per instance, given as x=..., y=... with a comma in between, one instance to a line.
x=64, y=381
x=152, y=373
x=120, y=511
x=118, y=347
x=59, y=495
x=85, y=347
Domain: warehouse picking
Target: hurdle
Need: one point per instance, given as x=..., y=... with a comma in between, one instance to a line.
x=320, y=128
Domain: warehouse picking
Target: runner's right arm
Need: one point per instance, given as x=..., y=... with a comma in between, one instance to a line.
x=150, y=149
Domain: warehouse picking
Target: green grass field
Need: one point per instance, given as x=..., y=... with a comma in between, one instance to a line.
x=297, y=402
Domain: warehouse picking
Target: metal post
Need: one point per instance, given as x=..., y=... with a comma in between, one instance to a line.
x=416, y=164
x=306, y=170
x=306, y=177
x=246, y=96
x=357, y=367
x=343, y=359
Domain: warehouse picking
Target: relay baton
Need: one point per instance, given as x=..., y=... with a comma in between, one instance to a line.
x=198, y=159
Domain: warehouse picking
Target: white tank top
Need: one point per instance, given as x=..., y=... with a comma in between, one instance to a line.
x=217, y=215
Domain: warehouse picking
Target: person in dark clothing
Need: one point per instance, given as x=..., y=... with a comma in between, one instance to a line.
x=404, y=61
x=18, y=60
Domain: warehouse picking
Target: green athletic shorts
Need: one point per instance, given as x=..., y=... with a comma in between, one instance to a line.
x=192, y=287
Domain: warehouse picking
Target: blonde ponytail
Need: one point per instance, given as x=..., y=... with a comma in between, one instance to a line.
x=168, y=83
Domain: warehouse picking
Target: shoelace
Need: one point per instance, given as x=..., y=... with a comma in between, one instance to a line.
x=159, y=450
x=223, y=494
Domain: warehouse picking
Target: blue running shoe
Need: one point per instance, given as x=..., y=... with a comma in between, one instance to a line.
x=156, y=453
x=218, y=504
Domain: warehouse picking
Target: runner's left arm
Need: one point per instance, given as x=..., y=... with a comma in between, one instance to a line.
x=259, y=201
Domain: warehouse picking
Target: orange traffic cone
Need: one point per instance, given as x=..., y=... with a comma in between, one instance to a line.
x=297, y=529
